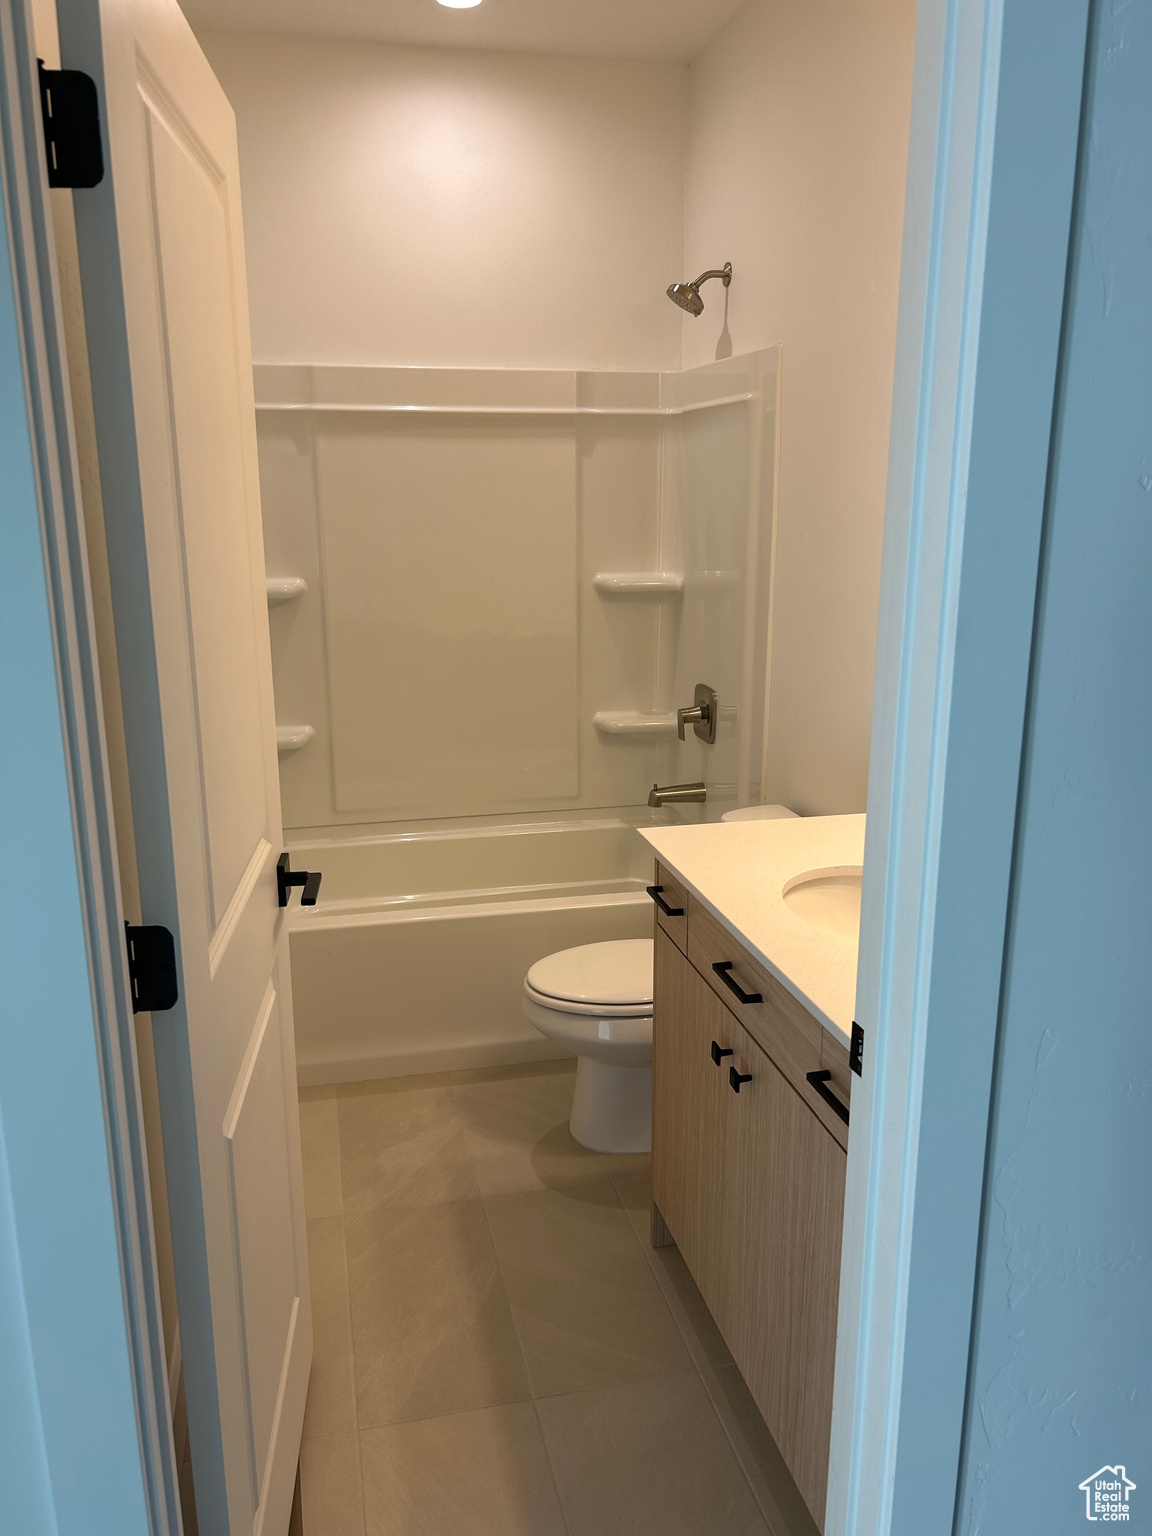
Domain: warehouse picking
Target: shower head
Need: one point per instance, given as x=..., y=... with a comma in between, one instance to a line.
x=687, y=295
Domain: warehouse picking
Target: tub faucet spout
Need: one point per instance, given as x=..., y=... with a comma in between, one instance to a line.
x=677, y=794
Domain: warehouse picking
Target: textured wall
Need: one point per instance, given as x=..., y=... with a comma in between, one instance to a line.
x=1062, y=1368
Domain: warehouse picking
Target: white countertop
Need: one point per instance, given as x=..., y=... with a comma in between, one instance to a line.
x=739, y=870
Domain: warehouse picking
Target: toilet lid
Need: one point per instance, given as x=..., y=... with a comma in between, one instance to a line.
x=616, y=974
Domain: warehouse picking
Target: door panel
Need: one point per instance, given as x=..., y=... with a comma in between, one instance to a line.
x=162, y=266
x=258, y=1139
x=192, y=255
x=688, y=1143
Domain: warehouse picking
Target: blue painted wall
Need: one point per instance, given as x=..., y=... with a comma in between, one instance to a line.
x=70, y=1454
x=1061, y=1377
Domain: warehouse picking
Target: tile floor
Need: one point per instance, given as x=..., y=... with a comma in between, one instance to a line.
x=498, y=1350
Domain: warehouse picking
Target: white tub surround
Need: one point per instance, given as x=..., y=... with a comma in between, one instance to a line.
x=493, y=587
x=414, y=958
x=744, y=872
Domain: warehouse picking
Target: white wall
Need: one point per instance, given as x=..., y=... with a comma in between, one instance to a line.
x=446, y=208
x=455, y=207
x=798, y=124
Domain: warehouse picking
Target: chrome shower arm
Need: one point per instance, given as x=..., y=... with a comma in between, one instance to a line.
x=724, y=273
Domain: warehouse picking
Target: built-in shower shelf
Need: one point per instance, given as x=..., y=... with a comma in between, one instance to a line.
x=397, y=408
x=282, y=589
x=652, y=584
x=635, y=722
x=290, y=738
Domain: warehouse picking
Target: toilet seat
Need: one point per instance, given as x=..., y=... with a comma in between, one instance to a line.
x=596, y=1002
x=588, y=1010
x=610, y=980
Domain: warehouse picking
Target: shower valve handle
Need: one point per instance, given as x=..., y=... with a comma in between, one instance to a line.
x=695, y=714
x=700, y=714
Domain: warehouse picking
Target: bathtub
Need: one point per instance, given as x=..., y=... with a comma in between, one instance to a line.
x=414, y=957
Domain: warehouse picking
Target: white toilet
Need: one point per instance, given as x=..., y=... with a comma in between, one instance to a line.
x=596, y=1000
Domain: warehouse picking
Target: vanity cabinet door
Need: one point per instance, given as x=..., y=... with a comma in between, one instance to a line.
x=785, y=1222
x=670, y=899
x=689, y=1184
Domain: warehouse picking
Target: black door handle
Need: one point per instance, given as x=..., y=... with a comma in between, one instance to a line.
x=654, y=892
x=287, y=877
x=718, y=1052
x=820, y=1081
x=722, y=969
x=736, y=1078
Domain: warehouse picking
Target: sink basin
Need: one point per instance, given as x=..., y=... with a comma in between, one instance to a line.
x=828, y=899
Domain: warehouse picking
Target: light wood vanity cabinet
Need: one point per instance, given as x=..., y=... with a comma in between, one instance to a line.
x=750, y=1184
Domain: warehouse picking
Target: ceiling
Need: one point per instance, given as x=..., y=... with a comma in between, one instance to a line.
x=664, y=30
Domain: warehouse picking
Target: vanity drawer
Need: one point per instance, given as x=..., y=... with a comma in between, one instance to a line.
x=834, y=1059
x=776, y=1020
x=671, y=902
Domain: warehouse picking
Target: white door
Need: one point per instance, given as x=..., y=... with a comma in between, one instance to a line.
x=165, y=302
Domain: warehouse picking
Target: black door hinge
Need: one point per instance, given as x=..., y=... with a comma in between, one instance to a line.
x=151, y=968
x=71, y=112
x=856, y=1050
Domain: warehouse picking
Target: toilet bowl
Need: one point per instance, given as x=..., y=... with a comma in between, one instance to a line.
x=596, y=1001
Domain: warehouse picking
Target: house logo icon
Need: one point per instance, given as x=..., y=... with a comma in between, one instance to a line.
x=1106, y=1494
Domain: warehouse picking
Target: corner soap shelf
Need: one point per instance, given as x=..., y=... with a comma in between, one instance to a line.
x=290, y=738
x=654, y=584
x=282, y=589
x=634, y=722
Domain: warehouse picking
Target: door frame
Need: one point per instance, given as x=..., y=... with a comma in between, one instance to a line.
x=995, y=121
x=88, y=1430
x=996, y=116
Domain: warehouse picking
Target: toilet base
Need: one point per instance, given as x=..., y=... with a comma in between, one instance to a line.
x=612, y=1107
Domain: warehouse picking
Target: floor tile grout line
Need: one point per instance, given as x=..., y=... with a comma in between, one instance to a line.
x=682, y=1328
x=613, y=1386
x=449, y=1413
x=769, y=1524
x=698, y=1367
x=512, y=1315
x=348, y=1320
x=495, y=1247
x=551, y=1467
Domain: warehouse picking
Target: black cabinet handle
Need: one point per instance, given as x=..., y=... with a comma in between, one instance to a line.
x=820, y=1081
x=287, y=877
x=722, y=969
x=718, y=1052
x=654, y=892
x=736, y=1078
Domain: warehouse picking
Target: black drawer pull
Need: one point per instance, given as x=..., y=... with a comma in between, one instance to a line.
x=654, y=892
x=722, y=968
x=718, y=1052
x=820, y=1081
x=736, y=1078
